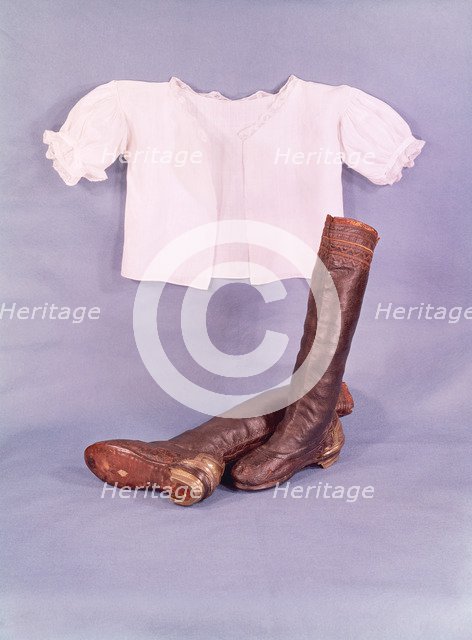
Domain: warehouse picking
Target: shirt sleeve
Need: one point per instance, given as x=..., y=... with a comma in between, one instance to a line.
x=375, y=140
x=92, y=137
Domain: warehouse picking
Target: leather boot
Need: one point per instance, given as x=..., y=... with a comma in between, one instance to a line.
x=189, y=467
x=310, y=432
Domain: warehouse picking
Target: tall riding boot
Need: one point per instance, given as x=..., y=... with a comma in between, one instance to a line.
x=310, y=432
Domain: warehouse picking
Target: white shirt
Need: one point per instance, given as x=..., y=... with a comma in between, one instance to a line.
x=202, y=167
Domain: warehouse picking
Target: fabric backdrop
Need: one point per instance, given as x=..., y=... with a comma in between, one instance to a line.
x=239, y=565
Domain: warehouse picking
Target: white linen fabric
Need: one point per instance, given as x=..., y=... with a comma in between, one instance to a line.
x=201, y=158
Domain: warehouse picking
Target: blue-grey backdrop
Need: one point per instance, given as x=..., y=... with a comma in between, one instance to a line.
x=238, y=565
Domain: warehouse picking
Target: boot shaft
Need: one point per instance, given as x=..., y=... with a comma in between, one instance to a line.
x=346, y=251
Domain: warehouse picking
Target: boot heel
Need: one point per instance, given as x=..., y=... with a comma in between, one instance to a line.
x=334, y=441
x=329, y=461
x=194, y=479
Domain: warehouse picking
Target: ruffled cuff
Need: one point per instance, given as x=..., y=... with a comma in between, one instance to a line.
x=65, y=161
x=403, y=157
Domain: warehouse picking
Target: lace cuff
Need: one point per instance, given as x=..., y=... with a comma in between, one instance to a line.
x=404, y=157
x=65, y=159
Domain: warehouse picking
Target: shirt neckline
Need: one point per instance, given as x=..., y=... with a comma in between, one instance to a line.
x=181, y=89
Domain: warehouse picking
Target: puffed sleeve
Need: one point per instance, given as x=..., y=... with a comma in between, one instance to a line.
x=375, y=139
x=92, y=137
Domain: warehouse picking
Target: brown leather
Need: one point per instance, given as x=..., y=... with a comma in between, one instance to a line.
x=190, y=463
x=310, y=431
x=187, y=476
x=231, y=438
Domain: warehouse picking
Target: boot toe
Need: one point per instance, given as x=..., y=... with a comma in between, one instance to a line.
x=96, y=454
x=252, y=472
x=93, y=455
x=116, y=461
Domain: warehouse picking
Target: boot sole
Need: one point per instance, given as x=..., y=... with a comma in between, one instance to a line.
x=188, y=480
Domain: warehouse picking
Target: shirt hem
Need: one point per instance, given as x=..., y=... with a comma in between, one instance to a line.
x=205, y=286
